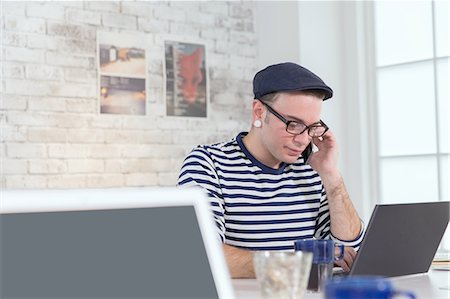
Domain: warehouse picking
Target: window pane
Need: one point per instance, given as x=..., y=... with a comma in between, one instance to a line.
x=442, y=23
x=445, y=243
x=405, y=180
x=445, y=169
x=444, y=177
x=403, y=31
x=406, y=114
x=442, y=87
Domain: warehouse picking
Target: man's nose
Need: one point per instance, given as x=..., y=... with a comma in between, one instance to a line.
x=303, y=138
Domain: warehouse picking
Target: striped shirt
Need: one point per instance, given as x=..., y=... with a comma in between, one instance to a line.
x=257, y=207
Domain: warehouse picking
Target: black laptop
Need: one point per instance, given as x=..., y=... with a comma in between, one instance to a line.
x=402, y=239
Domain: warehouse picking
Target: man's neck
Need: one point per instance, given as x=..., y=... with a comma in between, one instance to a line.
x=258, y=150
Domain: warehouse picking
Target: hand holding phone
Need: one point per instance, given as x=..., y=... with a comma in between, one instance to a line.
x=323, y=158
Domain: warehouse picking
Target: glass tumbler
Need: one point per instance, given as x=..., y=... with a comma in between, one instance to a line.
x=282, y=274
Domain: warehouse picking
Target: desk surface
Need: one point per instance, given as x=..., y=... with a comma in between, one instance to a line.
x=435, y=284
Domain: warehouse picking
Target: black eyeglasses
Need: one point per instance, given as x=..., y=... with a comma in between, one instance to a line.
x=296, y=128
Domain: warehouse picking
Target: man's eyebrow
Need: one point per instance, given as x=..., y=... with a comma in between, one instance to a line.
x=296, y=119
x=299, y=120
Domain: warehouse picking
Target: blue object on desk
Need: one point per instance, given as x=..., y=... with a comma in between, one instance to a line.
x=323, y=259
x=362, y=287
x=323, y=250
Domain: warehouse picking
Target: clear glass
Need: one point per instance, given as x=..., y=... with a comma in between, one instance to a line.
x=409, y=179
x=325, y=253
x=282, y=274
x=403, y=31
x=442, y=24
x=406, y=110
x=443, y=94
x=324, y=272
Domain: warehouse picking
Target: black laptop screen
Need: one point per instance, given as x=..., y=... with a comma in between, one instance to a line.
x=402, y=239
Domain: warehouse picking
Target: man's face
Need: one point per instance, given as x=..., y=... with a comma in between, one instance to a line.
x=281, y=145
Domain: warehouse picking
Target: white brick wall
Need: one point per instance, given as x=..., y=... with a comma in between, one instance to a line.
x=111, y=6
x=83, y=16
x=52, y=135
x=45, y=10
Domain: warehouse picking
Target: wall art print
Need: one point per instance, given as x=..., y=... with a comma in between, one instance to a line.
x=122, y=74
x=186, y=79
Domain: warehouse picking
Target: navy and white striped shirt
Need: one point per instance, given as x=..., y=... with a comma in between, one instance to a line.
x=257, y=207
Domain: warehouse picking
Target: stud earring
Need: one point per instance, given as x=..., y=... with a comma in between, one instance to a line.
x=257, y=123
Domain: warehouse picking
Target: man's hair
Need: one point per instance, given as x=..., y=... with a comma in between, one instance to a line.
x=272, y=97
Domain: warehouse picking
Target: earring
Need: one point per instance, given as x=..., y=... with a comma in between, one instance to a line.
x=257, y=123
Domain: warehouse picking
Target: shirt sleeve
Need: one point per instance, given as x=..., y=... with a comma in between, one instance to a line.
x=323, y=225
x=198, y=170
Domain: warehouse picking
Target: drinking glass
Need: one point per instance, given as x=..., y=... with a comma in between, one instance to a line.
x=282, y=274
x=324, y=256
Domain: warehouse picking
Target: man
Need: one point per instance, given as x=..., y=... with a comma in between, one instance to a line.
x=263, y=193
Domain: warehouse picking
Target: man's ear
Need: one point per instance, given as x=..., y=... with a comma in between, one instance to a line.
x=257, y=110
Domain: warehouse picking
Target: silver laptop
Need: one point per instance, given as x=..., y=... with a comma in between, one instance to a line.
x=116, y=243
x=402, y=239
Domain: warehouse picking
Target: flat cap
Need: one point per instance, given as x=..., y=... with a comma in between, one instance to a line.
x=287, y=76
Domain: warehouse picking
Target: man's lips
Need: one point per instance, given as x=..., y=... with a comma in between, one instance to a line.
x=293, y=152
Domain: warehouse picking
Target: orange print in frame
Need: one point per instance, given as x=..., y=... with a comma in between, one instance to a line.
x=186, y=93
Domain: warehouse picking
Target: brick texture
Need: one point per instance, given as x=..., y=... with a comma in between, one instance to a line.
x=53, y=135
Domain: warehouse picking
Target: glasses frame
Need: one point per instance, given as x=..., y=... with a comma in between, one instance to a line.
x=320, y=123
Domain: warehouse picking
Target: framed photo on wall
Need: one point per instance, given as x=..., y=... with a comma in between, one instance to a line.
x=186, y=79
x=122, y=74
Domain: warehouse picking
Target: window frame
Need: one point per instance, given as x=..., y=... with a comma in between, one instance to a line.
x=372, y=104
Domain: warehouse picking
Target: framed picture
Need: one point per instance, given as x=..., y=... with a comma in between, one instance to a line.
x=122, y=95
x=186, y=79
x=122, y=74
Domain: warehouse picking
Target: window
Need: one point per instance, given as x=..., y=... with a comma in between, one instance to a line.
x=412, y=66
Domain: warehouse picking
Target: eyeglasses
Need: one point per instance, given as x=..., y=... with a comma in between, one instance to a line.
x=296, y=128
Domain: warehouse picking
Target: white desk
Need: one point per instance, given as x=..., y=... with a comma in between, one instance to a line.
x=433, y=285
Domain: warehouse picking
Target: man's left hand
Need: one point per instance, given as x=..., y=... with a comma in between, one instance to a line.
x=324, y=161
x=347, y=261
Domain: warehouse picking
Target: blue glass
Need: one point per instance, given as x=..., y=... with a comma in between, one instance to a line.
x=323, y=259
x=362, y=287
x=323, y=250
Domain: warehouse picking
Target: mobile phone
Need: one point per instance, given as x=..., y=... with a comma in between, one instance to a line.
x=307, y=152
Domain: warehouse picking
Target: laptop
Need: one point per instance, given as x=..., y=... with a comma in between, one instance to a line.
x=401, y=239
x=114, y=243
